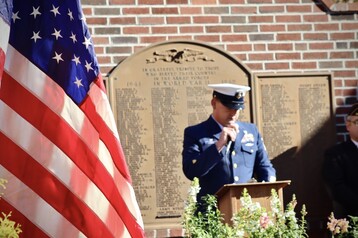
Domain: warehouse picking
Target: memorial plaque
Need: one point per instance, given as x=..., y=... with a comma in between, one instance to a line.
x=295, y=115
x=290, y=109
x=155, y=94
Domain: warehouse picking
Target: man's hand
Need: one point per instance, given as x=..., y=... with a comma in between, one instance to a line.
x=228, y=133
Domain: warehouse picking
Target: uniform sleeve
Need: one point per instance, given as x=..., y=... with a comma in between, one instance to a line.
x=199, y=155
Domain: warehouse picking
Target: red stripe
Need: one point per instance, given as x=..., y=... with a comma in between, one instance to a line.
x=106, y=135
x=58, y=132
x=26, y=169
x=27, y=227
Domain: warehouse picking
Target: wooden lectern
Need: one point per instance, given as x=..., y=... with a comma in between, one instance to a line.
x=229, y=196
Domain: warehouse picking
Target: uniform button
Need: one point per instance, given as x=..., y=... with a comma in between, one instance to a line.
x=236, y=178
x=251, y=151
x=233, y=153
x=235, y=165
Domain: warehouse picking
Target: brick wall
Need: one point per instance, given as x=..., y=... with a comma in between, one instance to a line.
x=275, y=36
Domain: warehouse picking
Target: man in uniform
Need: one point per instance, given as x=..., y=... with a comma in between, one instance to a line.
x=340, y=169
x=223, y=150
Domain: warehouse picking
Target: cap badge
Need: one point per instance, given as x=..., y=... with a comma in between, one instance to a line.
x=239, y=95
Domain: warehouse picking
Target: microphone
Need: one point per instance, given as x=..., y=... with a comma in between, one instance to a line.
x=228, y=146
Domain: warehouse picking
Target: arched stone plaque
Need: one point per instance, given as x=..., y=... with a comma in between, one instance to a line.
x=155, y=94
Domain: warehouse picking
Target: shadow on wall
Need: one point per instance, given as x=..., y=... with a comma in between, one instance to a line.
x=303, y=165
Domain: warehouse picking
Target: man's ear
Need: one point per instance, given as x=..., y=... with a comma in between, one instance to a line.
x=213, y=103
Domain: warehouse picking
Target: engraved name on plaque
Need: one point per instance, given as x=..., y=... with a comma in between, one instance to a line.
x=155, y=94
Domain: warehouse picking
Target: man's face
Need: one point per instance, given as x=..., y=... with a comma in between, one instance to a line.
x=352, y=127
x=222, y=114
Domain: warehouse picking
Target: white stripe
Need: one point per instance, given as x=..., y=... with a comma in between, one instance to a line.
x=5, y=31
x=34, y=207
x=56, y=162
x=103, y=107
x=20, y=68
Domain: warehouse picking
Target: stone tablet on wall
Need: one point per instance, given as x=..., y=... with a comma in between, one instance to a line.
x=155, y=94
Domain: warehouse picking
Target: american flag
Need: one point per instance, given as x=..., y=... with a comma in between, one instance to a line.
x=59, y=146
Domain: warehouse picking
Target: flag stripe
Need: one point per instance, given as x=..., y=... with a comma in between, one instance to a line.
x=39, y=212
x=72, y=178
x=38, y=115
x=64, y=161
x=75, y=149
x=43, y=84
x=47, y=186
x=27, y=227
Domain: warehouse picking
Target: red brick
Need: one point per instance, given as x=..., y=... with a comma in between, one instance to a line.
x=259, y=19
x=150, y=2
x=304, y=65
x=345, y=74
x=272, y=28
x=136, y=10
x=87, y=11
x=342, y=55
x=122, y=2
x=99, y=50
x=177, y=2
x=288, y=18
x=206, y=19
x=191, y=29
x=280, y=46
x=233, y=38
x=260, y=56
x=315, y=36
x=350, y=26
x=164, y=30
x=255, y=66
x=122, y=20
x=165, y=10
x=151, y=20
x=231, y=2
x=316, y=18
x=315, y=55
x=203, y=2
x=208, y=38
x=103, y=59
x=287, y=56
x=239, y=47
x=218, y=29
x=100, y=40
x=152, y=39
x=288, y=36
x=352, y=64
x=190, y=10
x=96, y=20
x=299, y=8
x=271, y=9
x=321, y=46
x=343, y=36
x=216, y=10
x=326, y=27
x=351, y=82
x=136, y=30
x=243, y=10
x=301, y=46
x=246, y=28
x=299, y=27
x=260, y=47
x=259, y=1
x=178, y=20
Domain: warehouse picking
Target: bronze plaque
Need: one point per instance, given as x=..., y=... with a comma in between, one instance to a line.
x=155, y=94
x=295, y=115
